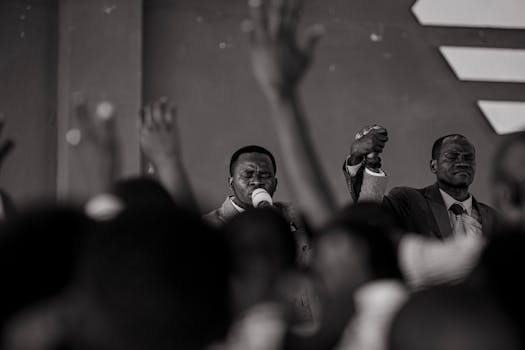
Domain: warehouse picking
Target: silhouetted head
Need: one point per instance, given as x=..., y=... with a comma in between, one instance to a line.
x=260, y=234
x=376, y=231
x=155, y=277
x=39, y=250
x=501, y=261
x=452, y=318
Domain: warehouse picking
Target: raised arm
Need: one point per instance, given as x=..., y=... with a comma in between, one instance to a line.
x=279, y=63
x=362, y=168
x=160, y=142
x=95, y=142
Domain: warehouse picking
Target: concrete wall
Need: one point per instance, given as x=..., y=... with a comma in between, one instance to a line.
x=376, y=64
x=28, y=88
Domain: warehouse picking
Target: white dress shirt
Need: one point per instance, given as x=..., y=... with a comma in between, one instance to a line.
x=428, y=261
x=470, y=220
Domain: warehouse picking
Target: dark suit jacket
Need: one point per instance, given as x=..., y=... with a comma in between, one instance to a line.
x=423, y=211
x=416, y=210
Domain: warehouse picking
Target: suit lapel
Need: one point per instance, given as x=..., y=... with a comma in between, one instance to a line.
x=227, y=210
x=486, y=218
x=439, y=211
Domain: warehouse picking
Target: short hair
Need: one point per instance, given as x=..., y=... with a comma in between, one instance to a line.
x=260, y=234
x=436, y=147
x=376, y=228
x=251, y=149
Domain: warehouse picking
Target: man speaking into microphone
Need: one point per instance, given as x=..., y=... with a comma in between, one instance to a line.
x=252, y=182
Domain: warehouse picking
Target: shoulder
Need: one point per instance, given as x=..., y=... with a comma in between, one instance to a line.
x=289, y=212
x=401, y=191
x=213, y=217
x=411, y=191
x=486, y=208
x=219, y=216
x=407, y=196
x=286, y=208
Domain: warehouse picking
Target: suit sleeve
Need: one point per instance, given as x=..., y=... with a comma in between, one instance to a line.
x=353, y=183
x=397, y=202
x=365, y=186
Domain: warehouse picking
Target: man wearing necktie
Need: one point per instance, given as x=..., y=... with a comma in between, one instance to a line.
x=445, y=226
x=429, y=211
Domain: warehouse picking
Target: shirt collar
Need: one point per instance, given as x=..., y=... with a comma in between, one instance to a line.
x=239, y=209
x=449, y=201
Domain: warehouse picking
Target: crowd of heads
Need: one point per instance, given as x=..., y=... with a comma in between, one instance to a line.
x=133, y=269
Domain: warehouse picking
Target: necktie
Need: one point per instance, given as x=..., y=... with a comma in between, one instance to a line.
x=457, y=209
x=459, y=224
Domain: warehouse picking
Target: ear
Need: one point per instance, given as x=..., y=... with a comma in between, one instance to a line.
x=433, y=166
x=230, y=183
x=276, y=182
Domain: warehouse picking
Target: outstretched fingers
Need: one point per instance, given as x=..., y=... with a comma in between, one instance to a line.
x=293, y=14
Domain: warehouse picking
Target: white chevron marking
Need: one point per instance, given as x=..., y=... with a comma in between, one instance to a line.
x=471, y=13
x=486, y=64
x=504, y=116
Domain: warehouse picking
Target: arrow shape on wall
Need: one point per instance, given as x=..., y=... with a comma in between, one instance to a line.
x=504, y=116
x=471, y=13
x=486, y=64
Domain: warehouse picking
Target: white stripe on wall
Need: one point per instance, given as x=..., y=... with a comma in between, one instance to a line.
x=486, y=64
x=471, y=13
x=504, y=116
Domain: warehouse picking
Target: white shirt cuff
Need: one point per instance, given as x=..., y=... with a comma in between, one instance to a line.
x=381, y=173
x=353, y=169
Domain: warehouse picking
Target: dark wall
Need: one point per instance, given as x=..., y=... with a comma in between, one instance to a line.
x=28, y=45
x=376, y=64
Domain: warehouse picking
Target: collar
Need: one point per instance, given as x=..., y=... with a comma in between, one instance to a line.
x=449, y=200
x=239, y=209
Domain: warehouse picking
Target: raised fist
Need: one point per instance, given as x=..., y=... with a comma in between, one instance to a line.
x=369, y=142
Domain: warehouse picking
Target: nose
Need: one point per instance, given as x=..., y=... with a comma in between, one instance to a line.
x=257, y=182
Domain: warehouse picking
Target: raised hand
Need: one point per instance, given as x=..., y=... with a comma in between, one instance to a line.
x=158, y=132
x=369, y=142
x=96, y=142
x=278, y=57
x=279, y=61
x=161, y=143
x=98, y=128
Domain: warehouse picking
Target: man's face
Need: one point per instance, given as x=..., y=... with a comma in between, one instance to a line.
x=456, y=164
x=251, y=171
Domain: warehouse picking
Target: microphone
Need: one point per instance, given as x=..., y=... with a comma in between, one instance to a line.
x=261, y=198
